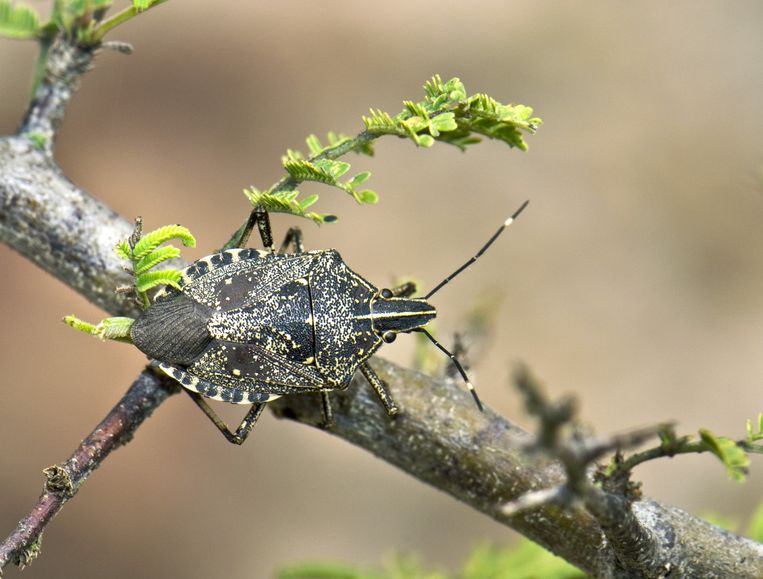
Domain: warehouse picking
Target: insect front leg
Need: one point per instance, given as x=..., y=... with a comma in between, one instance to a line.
x=293, y=238
x=381, y=389
x=243, y=430
x=259, y=217
x=405, y=290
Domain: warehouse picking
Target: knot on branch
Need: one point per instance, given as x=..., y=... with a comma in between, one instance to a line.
x=28, y=553
x=58, y=481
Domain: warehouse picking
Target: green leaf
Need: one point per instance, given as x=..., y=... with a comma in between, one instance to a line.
x=755, y=434
x=444, y=122
x=733, y=458
x=108, y=329
x=526, y=560
x=755, y=528
x=117, y=328
x=367, y=197
x=308, y=201
x=80, y=325
x=314, y=145
x=18, y=21
x=380, y=122
x=159, y=255
x=123, y=251
x=334, y=168
x=151, y=279
x=150, y=241
x=286, y=202
x=425, y=141
x=141, y=5
x=306, y=171
x=359, y=179
x=325, y=571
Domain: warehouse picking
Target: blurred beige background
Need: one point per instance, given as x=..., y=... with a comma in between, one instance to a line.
x=635, y=278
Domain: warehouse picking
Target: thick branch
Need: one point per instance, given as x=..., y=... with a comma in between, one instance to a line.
x=64, y=66
x=65, y=231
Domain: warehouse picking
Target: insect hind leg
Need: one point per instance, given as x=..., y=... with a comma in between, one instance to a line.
x=381, y=389
x=243, y=430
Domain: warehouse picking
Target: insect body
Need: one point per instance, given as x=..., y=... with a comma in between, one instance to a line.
x=248, y=326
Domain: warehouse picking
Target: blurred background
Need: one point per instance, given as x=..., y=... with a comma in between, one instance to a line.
x=634, y=279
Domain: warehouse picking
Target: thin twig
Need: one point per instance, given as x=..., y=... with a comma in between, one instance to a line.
x=115, y=430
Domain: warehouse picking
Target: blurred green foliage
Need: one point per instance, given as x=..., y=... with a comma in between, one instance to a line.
x=525, y=560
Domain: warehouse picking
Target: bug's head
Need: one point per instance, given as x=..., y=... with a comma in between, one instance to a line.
x=392, y=315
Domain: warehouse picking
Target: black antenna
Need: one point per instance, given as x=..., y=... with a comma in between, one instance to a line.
x=476, y=256
x=458, y=365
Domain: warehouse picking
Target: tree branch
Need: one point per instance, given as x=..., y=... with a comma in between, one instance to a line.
x=440, y=437
x=65, y=63
x=63, y=481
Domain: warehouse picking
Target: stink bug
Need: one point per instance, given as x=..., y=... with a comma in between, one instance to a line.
x=248, y=326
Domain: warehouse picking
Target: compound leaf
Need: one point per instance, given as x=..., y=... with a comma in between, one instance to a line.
x=150, y=241
x=151, y=279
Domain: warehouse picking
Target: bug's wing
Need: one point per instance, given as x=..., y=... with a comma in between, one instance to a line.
x=237, y=369
x=281, y=322
x=235, y=278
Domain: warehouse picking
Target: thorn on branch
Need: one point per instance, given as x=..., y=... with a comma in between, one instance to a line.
x=137, y=232
x=117, y=46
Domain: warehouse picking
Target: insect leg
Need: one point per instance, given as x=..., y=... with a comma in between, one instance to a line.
x=328, y=413
x=293, y=238
x=243, y=430
x=405, y=290
x=381, y=389
x=263, y=224
x=259, y=217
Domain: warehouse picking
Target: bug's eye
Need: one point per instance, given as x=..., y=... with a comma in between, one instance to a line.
x=389, y=337
x=386, y=293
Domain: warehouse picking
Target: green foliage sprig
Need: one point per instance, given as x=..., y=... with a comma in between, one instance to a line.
x=446, y=114
x=117, y=328
x=83, y=23
x=449, y=115
x=82, y=20
x=525, y=560
x=144, y=252
x=734, y=455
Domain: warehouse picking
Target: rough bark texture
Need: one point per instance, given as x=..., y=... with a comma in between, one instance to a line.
x=440, y=437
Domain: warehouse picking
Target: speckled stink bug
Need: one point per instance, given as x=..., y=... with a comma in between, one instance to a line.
x=248, y=326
